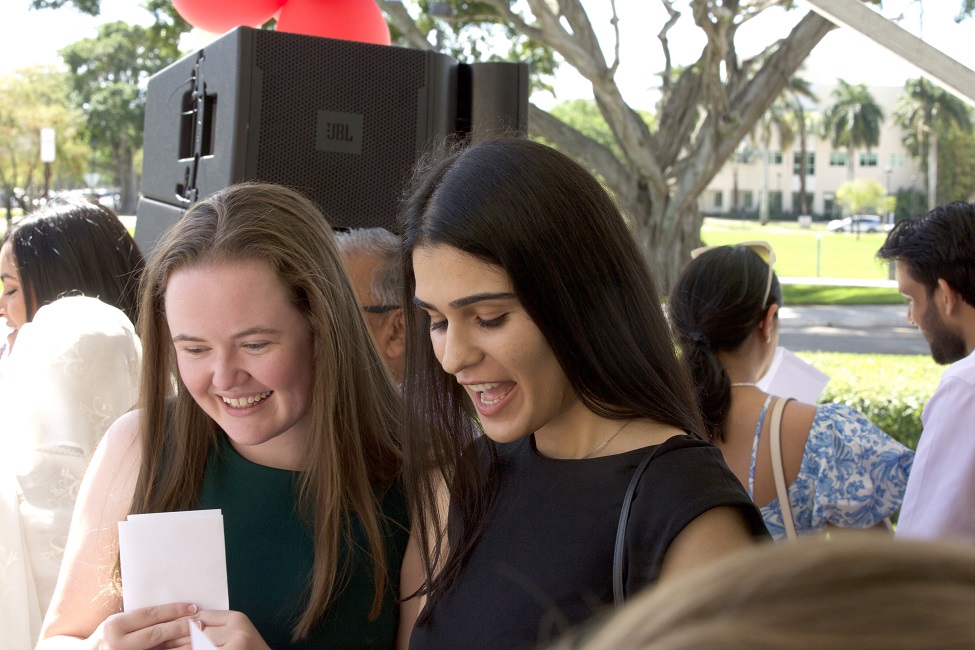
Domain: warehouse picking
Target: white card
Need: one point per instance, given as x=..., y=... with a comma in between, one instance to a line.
x=173, y=557
x=790, y=376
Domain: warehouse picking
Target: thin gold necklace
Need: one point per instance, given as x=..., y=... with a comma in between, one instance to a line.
x=608, y=440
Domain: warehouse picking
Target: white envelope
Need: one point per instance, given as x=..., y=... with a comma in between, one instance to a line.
x=790, y=376
x=173, y=557
x=199, y=640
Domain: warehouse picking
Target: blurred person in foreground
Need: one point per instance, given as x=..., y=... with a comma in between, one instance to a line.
x=849, y=593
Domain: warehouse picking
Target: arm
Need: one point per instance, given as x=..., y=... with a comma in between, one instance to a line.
x=411, y=579
x=84, y=611
x=711, y=536
x=940, y=498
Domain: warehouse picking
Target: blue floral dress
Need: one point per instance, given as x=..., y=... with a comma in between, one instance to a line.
x=852, y=475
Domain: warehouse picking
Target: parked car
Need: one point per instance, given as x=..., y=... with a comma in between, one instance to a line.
x=858, y=223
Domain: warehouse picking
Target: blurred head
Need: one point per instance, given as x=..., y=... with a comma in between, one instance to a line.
x=936, y=254
x=862, y=591
x=275, y=243
x=718, y=301
x=372, y=257
x=71, y=246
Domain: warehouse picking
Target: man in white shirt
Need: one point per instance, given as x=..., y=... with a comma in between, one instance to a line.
x=935, y=257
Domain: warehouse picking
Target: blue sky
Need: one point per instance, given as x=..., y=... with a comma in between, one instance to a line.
x=33, y=37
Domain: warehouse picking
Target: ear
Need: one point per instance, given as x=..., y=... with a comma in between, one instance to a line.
x=394, y=345
x=765, y=326
x=949, y=299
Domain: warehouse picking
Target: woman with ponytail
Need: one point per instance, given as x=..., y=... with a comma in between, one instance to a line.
x=840, y=469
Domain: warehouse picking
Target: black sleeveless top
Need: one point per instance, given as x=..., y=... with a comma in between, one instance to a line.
x=545, y=561
x=270, y=556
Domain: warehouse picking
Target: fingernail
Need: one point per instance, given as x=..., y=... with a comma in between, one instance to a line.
x=191, y=609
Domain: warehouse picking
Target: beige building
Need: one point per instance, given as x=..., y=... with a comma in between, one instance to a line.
x=826, y=168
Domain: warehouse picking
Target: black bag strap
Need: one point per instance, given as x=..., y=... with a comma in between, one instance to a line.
x=619, y=550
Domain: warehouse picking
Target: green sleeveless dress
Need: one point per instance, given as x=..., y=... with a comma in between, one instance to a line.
x=269, y=557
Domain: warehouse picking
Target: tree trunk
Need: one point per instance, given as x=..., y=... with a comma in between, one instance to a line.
x=932, y=169
x=803, y=153
x=125, y=176
x=763, y=194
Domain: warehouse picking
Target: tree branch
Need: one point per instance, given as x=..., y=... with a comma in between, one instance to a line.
x=584, y=149
x=403, y=21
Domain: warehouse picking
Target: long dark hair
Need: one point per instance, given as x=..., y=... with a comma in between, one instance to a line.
x=715, y=304
x=582, y=279
x=73, y=246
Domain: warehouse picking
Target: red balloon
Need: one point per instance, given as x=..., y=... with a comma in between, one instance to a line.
x=350, y=20
x=220, y=15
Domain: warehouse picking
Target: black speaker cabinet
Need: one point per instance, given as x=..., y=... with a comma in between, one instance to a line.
x=340, y=121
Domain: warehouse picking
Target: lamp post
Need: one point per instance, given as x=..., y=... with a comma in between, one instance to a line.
x=47, y=157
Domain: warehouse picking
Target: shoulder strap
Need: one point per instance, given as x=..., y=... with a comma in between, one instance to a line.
x=620, y=548
x=781, y=491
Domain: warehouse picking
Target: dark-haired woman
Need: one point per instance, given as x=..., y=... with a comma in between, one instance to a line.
x=534, y=321
x=840, y=469
x=71, y=247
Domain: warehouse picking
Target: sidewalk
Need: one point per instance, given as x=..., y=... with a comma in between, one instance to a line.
x=876, y=329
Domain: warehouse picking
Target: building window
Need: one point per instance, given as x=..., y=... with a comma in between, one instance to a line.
x=718, y=199
x=898, y=160
x=830, y=209
x=837, y=159
x=775, y=157
x=868, y=160
x=775, y=202
x=810, y=164
x=747, y=200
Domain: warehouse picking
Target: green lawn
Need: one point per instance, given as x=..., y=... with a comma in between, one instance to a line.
x=806, y=253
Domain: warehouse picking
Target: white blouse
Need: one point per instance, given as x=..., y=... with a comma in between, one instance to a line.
x=73, y=371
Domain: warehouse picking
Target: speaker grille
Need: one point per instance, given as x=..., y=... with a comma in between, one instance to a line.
x=382, y=84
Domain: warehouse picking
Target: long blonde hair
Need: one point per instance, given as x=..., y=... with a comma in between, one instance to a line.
x=863, y=590
x=354, y=404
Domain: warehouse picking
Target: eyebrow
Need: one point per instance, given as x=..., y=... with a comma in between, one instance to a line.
x=467, y=300
x=251, y=331
x=7, y=276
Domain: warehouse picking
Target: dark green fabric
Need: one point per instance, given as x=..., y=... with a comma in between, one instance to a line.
x=270, y=553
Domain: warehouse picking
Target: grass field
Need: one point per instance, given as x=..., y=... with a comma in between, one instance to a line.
x=806, y=253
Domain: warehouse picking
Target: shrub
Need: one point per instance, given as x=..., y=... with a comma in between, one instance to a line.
x=889, y=389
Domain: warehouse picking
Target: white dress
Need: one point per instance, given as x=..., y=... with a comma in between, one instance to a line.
x=72, y=372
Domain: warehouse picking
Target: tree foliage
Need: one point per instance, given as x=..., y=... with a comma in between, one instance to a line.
x=864, y=195
x=32, y=99
x=853, y=120
x=705, y=110
x=108, y=75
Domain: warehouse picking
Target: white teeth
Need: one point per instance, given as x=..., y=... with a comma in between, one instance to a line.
x=245, y=401
x=480, y=388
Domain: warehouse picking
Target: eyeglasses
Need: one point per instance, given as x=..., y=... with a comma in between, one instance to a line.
x=378, y=309
x=761, y=248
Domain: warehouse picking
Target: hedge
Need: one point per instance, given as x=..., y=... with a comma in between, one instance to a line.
x=889, y=389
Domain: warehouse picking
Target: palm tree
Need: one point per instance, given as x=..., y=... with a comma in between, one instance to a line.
x=853, y=121
x=795, y=91
x=775, y=119
x=924, y=111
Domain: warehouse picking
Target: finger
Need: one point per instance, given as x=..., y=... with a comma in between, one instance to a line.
x=181, y=642
x=216, y=617
x=140, y=619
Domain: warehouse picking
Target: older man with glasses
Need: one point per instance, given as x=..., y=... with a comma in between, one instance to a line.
x=372, y=259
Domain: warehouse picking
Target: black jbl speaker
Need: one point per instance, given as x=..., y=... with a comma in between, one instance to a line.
x=340, y=121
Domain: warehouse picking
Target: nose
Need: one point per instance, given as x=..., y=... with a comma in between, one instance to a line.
x=457, y=351
x=228, y=373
